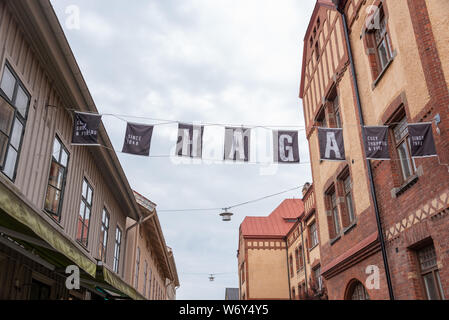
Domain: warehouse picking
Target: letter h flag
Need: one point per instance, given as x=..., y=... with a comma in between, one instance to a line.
x=331, y=144
x=190, y=141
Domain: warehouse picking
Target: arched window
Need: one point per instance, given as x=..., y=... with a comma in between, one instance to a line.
x=357, y=291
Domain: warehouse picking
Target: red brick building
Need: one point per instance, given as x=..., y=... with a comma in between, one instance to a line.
x=398, y=74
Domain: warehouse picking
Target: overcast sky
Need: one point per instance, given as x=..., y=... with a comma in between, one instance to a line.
x=216, y=61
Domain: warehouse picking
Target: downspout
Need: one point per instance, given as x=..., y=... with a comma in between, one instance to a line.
x=141, y=220
x=288, y=269
x=368, y=163
x=303, y=255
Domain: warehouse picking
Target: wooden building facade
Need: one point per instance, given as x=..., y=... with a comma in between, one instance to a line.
x=60, y=204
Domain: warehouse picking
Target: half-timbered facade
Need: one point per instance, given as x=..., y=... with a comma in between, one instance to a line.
x=400, y=59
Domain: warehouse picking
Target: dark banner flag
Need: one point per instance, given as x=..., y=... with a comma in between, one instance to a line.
x=85, y=129
x=190, y=140
x=331, y=144
x=422, y=143
x=376, y=143
x=237, y=144
x=138, y=139
x=285, y=146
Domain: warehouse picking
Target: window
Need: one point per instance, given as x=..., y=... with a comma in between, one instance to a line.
x=293, y=294
x=39, y=290
x=348, y=198
x=57, y=179
x=150, y=278
x=300, y=258
x=335, y=216
x=359, y=292
x=402, y=143
x=118, y=242
x=136, y=274
x=336, y=109
x=291, y=266
x=313, y=234
x=321, y=119
x=104, y=231
x=14, y=103
x=153, y=287
x=429, y=272
x=145, y=278
x=317, y=51
x=382, y=41
x=84, y=214
x=298, y=267
x=319, y=279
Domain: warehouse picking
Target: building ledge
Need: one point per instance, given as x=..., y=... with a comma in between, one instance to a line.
x=350, y=227
x=411, y=181
x=357, y=253
x=310, y=249
x=334, y=240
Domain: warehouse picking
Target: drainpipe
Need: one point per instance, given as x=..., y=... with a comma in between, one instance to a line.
x=288, y=269
x=368, y=163
x=141, y=220
x=303, y=255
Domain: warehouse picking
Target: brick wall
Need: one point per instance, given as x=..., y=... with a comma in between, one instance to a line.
x=417, y=214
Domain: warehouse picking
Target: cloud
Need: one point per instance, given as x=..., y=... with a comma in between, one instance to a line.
x=224, y=61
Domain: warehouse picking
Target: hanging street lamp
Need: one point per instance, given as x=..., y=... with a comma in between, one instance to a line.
x=226, y=216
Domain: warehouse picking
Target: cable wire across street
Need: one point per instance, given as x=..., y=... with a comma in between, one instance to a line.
x=236, y=205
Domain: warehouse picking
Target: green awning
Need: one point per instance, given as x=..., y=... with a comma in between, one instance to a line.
x=30, y=220
x=103, y=274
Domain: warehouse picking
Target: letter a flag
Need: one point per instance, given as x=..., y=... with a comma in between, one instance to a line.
x=376, y=143
x=285, y=146
x=190, y=141
x=237, y=144
x=422, y=143
x=138, y=139
x=331, y=144
x=85, y=128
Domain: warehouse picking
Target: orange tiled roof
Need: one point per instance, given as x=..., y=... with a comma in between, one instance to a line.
x=277, y=224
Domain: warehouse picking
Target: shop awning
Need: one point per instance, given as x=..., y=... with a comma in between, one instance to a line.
x=17, y=215
x=116, y=283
